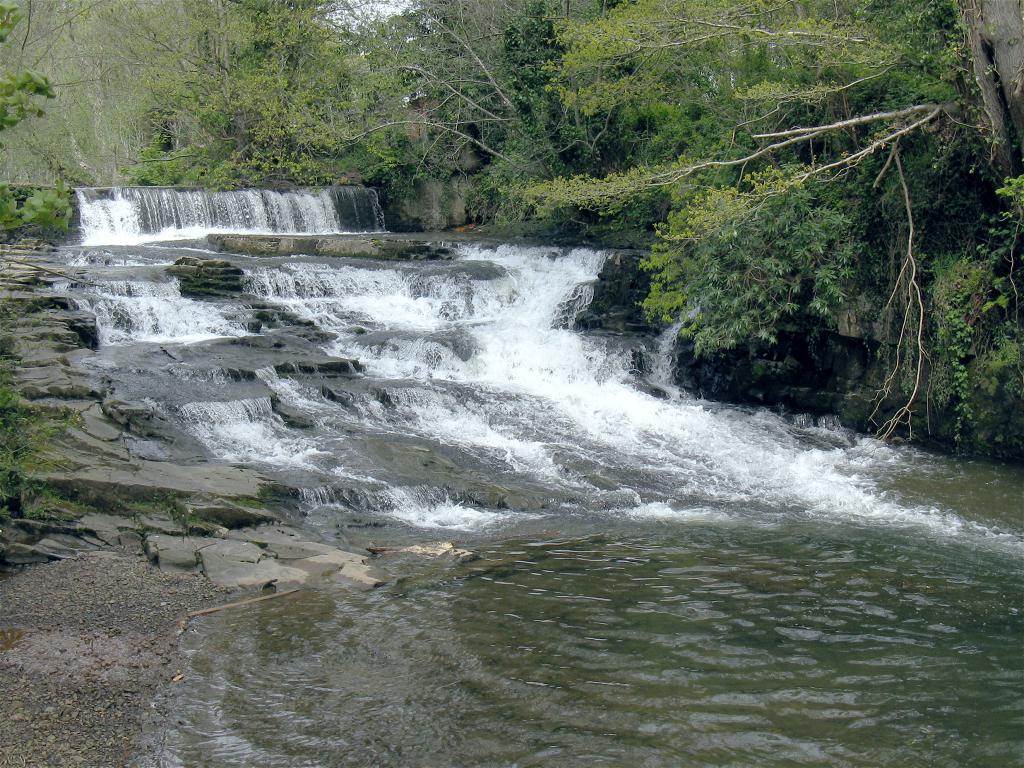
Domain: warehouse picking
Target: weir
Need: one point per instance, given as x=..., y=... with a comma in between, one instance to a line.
x=131, y=215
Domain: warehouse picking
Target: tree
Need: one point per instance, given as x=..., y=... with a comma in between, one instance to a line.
x=995, y=35
x=20, y=94
x=258, y=94
x=848, y=120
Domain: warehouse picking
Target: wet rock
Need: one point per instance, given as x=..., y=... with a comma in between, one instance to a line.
x=200, y=278
x=328, y=366
x=351, y=246
x=83, y=324
x=282, y=542
x=360, y=575
x=292, y=417
x=173, y=553
x=229, y=514
x=619, y=292
x=256, y=558
x=434, y=204
x=138, y=418
x=432, y=550
x=149, y=450
x=262, y=575
x=333, y=561
x=336, y=395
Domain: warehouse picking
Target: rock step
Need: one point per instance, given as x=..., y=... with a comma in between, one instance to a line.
x=258, y=558
x=206, y=277
x=358, y=247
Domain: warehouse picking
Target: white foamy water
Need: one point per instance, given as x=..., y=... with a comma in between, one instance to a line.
x=338, y=296
x=247, y=431
x=525, y=354
x=409, y=508
x=134, y=215
x=130, y=311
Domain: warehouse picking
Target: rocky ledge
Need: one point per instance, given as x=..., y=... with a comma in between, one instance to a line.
x=387, y=247
x=121, y=530
x=116, y=476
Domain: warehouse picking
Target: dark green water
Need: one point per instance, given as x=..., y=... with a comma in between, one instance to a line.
x=699, y=645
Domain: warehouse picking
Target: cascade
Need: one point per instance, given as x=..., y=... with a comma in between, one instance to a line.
x=476, y=359
x=129, y=215
x=131, y=311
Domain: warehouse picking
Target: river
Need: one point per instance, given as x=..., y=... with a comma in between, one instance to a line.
x=662, y=580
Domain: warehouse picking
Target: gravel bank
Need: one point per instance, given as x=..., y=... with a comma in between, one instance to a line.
x=85, y=646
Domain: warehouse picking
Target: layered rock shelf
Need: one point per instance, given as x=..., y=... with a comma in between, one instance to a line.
x=117, y=476
x=391, y=248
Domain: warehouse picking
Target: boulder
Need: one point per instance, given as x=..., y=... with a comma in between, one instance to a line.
x=206, y=277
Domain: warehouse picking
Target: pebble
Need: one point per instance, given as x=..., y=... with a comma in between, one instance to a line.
x=99, y=644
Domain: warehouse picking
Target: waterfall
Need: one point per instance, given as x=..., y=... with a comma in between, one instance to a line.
x=130, y=215
x=246, y=430
x=472, y=369
x=132, y=311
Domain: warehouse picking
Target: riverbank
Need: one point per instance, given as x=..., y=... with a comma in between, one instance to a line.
x=86, y=644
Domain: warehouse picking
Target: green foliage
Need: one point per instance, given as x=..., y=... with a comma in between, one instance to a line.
x=18, y=94
x=19, y=91
x=744, y=264
x=47, y=210
x=959, y=297
x=159, y=167
x=44, y=211
x=260, y=102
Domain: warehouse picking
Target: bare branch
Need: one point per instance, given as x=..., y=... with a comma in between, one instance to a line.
x=859, y=120
x=914, y=306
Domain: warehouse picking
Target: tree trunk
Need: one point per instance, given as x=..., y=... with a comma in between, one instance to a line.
x=995, y=36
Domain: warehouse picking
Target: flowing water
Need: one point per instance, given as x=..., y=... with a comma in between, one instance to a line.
x=663, y=581
x=135, y=214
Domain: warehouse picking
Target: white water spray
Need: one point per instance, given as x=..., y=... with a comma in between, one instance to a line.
x=132, y=215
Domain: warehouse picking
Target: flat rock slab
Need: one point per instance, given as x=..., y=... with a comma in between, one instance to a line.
x=261, y=575
x=283, y=543
x=257, y=558
x=351, y=246
x=173, y=553
x=140, y=478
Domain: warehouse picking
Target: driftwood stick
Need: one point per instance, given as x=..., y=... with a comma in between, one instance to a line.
x=183, y=623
